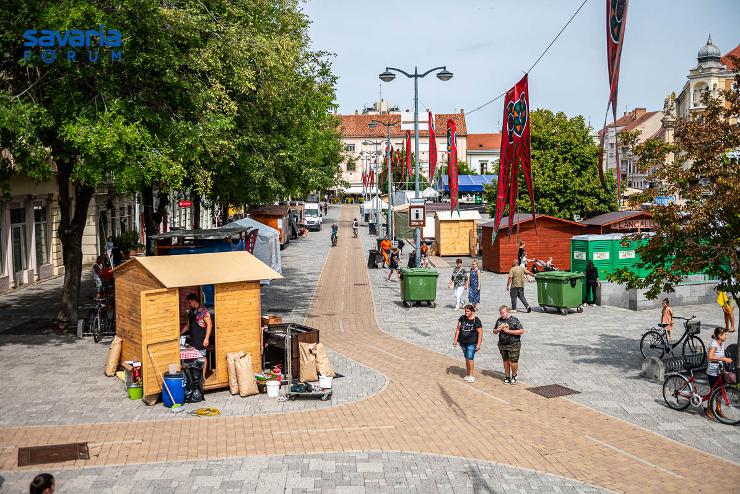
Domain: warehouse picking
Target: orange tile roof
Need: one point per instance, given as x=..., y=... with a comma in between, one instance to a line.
x=357, y=125
x=486, y=142
x=628, y=121
x=726, y=58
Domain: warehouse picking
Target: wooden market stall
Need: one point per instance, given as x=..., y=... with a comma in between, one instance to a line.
x=620, y=222
x=150, y=310
x=550, y=239
x=277, y=217
x=452, y=231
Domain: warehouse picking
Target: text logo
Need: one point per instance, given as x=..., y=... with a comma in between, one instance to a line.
x=68, y=43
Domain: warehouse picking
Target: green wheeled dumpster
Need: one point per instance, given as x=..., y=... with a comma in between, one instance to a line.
x=419, y=285
x=561, y=290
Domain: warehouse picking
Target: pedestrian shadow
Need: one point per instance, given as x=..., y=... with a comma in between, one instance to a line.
x=492, y=373
x=479, y=483
x=451, y=403
x=459, y=371
x=610, y=351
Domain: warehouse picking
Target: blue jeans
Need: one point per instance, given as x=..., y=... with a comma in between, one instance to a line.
x=468, y=351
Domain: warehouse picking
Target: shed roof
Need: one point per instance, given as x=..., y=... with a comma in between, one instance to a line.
x=215, y=234
x=520, y=218
x=203, y=269
x=613, y=217
x=454, y=216
x=274, y=210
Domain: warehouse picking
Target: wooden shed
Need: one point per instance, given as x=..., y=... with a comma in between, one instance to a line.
x=277, y=217
x=620, y=222
x=452, y=231
x=150, y=310
x=550, y=239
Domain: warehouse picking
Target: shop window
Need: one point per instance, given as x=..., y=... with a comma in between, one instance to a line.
x=18, y=238
x=41, y=229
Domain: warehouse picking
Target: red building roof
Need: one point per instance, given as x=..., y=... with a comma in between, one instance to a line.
x=357, y=125
x=726, y=58
x=631, y=120
x=484, y=142
x=521, y=218
x=614, y=217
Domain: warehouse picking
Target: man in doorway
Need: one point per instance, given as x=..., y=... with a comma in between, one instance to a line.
x=515, y=284
x=510, y=331
x=200, y=326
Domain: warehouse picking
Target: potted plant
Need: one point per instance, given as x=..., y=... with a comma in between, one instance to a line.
x=128, y=242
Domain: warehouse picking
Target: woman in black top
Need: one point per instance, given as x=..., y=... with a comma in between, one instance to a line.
x=469, y=334
x=592, y=281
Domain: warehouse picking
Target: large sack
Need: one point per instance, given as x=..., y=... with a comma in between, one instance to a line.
x=323, y=366
x=308, y=362
x=114, y=356
x=245, y=376
x=231, y=359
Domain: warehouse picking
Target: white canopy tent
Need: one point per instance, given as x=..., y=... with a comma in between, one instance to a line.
x=267, y=246
x=368, y=208
x=429, y=193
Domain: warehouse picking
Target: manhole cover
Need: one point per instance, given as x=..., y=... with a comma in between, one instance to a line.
x=553, y=391
x=54, y=453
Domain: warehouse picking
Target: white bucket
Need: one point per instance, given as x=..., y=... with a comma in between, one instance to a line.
x=273, y=389
x=325, y=382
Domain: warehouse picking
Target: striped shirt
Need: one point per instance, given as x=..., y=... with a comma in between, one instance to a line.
x=719, y=352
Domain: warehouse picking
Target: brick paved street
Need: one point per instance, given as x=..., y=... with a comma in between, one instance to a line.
x=425, y=407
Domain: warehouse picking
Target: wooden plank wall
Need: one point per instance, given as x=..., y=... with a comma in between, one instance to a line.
x=237, y=314
x=161, y=335
x=453, y=237
x=129, y=285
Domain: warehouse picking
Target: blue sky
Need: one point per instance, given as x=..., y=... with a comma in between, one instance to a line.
x=489, y=44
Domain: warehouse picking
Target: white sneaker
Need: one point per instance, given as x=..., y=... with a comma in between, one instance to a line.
x=457, y=307
x=466, y=379
x=512, y=311
x=471, y=379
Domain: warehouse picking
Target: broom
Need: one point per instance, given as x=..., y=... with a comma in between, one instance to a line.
x=176, y=407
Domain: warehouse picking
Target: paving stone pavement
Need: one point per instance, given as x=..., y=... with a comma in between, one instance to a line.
x=596, y=352
x=338, y=473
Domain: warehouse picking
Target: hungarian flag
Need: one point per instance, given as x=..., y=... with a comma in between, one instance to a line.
x=616, y=19
x=408, y=153
x=452, y=162
x=432, y=149
x=515, y=150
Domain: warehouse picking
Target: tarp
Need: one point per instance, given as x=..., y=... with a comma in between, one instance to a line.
x=429, y=193
x=372, y=204
x=267, y=247
x=468, y=184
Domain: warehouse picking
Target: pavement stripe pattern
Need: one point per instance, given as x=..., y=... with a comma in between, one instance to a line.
x=426, y=407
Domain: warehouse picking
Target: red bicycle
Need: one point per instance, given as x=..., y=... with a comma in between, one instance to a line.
x=680, y=391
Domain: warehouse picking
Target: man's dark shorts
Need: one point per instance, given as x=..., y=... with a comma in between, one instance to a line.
x=510, y=352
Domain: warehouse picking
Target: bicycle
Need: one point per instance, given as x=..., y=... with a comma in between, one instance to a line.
x=654, y=342
x=680, y=391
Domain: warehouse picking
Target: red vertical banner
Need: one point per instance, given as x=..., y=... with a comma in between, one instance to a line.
x=408, y=153
x=452, y=163
x=515, y=151
x=432, y=150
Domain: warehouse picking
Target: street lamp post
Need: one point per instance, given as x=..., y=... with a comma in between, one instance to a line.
x=389, y=221
x=377, y=185
x=442, y=75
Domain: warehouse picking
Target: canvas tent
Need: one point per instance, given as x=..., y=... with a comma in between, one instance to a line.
x=267, y=247
x=429, y=193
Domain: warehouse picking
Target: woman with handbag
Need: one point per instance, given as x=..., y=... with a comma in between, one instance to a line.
x=715, y=356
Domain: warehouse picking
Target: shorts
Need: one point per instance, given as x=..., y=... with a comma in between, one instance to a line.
x=510, y=352
x=98, y=285
x=468, y=351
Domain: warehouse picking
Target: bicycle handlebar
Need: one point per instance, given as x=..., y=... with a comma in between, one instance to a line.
x=685, y=318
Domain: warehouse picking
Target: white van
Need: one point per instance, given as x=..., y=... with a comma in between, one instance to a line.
x=312, y=216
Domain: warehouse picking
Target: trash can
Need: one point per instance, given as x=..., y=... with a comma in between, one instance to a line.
x=561, y=290
x=419, y=285
x=374, y=257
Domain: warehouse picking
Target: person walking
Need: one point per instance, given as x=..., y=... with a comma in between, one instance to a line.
x=715, y=356
x=394, y=263
x=515, y=284
x=728, y=309
x=469, y=335
x=474, y=285
x=458, y=282
x=521, y=255
x=592, y=281
x=510, y=331
x=385, y=249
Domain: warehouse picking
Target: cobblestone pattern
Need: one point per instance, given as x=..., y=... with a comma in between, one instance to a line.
x=596, y=352
x=340, y=473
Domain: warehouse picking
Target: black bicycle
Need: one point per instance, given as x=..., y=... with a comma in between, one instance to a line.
x=654, y=342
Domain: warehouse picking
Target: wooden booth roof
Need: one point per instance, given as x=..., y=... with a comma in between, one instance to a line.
x=520, y=218
x=274, y=210
x=614, y=217
x=202, y=269
x=458, y=215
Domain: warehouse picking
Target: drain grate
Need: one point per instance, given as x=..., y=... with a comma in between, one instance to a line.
x=54, y=453
x=553, y=391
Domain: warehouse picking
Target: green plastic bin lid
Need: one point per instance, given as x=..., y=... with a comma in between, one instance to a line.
x=419, y=272
x=558, y=275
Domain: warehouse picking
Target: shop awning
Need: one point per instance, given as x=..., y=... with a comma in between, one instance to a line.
x=467, y=184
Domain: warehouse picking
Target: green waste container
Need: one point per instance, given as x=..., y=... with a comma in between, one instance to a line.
x=419, y=285
x=561, y=290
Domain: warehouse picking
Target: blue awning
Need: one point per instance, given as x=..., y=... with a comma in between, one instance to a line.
x=467, y=184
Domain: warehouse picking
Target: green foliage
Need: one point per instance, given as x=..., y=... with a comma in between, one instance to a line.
x=128, y=241
x=462, y=169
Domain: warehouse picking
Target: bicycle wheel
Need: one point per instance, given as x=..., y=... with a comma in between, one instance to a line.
x=726, y=410
x=97, y=330
x=677, y=391
x=651, y=345
x=692, y=345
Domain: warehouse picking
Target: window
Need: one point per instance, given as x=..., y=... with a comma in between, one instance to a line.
x=41, y=229
x=483, y=167
x=18, y=238
x=350, y=148
x=624, y=166
x=351, y=166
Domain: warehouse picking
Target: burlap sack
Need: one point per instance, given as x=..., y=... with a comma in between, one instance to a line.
x=114, y=356
x=323, y=366
x=308, y=363
x=245, y=376
x=231, y=359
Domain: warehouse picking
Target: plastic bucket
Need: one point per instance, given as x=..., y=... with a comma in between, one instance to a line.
x=175, y=383
x=135, y=392
x=325, y=382
x=273, y=389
